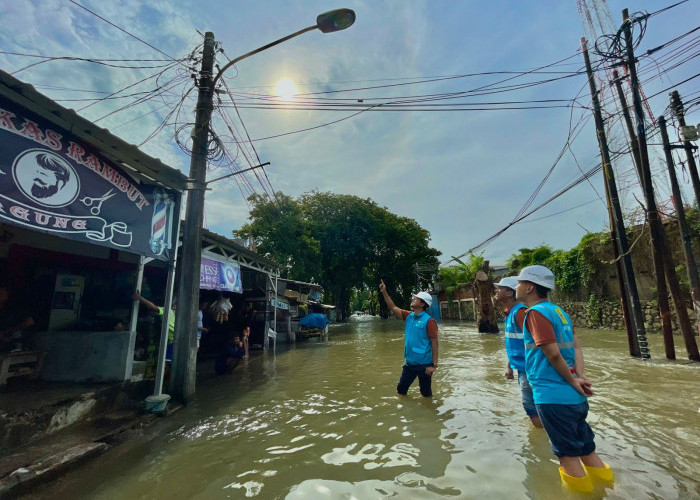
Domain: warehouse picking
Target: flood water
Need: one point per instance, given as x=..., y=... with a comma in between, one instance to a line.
x=323, y=421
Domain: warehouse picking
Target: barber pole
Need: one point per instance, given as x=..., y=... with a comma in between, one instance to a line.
x=159, y=223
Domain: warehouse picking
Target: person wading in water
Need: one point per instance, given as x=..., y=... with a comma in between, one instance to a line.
x=421, y=342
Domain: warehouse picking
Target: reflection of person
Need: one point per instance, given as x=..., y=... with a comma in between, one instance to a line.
x=554, y=363
x=421, y=342
x=10, y=327
x=504, y=295
x=246, y=340
x=48, y=174
x=171, y=324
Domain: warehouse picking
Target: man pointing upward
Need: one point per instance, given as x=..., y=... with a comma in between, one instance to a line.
x=421, y=342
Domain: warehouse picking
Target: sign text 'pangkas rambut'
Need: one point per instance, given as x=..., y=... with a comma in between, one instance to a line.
x=52, y=182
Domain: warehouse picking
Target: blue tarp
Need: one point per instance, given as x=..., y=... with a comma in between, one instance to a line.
x=314, y=320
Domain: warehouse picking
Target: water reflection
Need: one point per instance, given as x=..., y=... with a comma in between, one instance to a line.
x=323, y=421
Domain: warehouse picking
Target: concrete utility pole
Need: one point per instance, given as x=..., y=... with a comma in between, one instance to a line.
x=632, y=310
x=682, y=222
x=677, y=107
x=660, y=248
x=184, y=369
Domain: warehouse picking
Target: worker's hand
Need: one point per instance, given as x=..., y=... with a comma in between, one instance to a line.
x=509, y=373
x=136, y=296
x=430, y=370
x=382, y=286
x=583, y=386
x=28, y=322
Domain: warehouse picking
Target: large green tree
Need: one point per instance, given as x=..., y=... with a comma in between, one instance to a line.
x=346, y=243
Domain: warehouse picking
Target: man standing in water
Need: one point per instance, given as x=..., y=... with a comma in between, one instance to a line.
x=421, y=342
x=504, y=296
x=554, y=363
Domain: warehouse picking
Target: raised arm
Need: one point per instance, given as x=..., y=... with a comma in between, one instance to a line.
x=146, y=302
x=390, y=303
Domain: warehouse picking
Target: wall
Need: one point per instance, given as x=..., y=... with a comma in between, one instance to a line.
x=608, y=315
x=604, y=315
x=87, y=356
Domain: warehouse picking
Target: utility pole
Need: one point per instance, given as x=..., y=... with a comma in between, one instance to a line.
x=691, y=345
x=662, y=292
x=648, y=188
x=660, y=246
x=184, y=369
x=677, y=107
x=628, y=285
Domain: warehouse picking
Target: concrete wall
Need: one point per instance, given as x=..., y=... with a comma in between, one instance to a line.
x=87, y=356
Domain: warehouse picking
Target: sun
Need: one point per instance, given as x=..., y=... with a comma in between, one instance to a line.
x=286, y=89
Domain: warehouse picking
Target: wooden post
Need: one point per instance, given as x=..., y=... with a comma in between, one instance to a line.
x=691, y=266
x=486, y=317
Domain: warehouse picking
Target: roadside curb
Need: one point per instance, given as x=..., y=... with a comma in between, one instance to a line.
x=27, y=477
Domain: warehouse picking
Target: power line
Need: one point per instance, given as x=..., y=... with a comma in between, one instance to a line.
x=123, y=30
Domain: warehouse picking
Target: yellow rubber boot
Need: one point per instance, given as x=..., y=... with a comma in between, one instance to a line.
x=579, y=484
x=604, y=473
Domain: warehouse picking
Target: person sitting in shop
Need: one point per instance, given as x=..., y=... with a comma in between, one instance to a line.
x=232, y=353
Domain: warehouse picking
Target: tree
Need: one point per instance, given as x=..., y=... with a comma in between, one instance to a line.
x=346, y=243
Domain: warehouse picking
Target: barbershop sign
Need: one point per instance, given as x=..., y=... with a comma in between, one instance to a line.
x=51, y=182
x=218, y=275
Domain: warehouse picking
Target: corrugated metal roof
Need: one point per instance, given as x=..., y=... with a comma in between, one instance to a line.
x=126, y=155
x=240, y=249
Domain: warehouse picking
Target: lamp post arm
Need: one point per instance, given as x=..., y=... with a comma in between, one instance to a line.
x=260, y=49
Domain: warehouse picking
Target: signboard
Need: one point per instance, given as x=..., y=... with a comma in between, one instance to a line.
x=278, y=304
x=52, y=182
x=218, y=275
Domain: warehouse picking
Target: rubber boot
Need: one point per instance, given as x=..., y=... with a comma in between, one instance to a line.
x=604, y=473
x=579, y=484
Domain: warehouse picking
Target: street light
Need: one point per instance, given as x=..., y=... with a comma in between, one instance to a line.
x=328, y=22
x=184, y=352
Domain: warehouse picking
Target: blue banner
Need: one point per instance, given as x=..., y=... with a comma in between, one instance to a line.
x=52, y=182
x=217, y=275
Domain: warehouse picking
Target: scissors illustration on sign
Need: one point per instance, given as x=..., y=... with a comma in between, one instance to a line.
x=96, y=203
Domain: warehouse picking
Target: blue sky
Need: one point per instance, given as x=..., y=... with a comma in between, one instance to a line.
x=463, y=175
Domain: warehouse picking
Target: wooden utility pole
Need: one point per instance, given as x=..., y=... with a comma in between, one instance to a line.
x=631, y=308
x=691, y=266
x=677, y=107
x=486, y=314
x=184, y=369
x=663, y=262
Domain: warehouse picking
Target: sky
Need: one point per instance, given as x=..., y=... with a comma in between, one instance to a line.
x=460, y=165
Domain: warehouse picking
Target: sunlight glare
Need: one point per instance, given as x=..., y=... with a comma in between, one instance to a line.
x=286, y=89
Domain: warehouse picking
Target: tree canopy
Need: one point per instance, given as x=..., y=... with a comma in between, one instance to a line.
x=345, y=243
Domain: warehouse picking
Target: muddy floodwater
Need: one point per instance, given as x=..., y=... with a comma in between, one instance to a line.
x=323, y=421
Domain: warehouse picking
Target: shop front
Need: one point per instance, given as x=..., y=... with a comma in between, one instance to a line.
x=83, y=215
x=234, y=283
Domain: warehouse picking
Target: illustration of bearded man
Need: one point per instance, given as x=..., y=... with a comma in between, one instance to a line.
x=47, y=177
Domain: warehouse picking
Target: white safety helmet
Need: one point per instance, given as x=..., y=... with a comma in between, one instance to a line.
x=508, y=282
x=425, y=297
x=539, y=275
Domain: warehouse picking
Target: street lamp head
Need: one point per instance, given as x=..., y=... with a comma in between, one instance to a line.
x=335, y=20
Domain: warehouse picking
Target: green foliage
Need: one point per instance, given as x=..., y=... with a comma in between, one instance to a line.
x=581, y=270
x=529, y=256
x=346, y=243
x=453, y=277
x=595, y=314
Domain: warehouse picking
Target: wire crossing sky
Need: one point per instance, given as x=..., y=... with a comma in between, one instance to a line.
x=474, y=118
